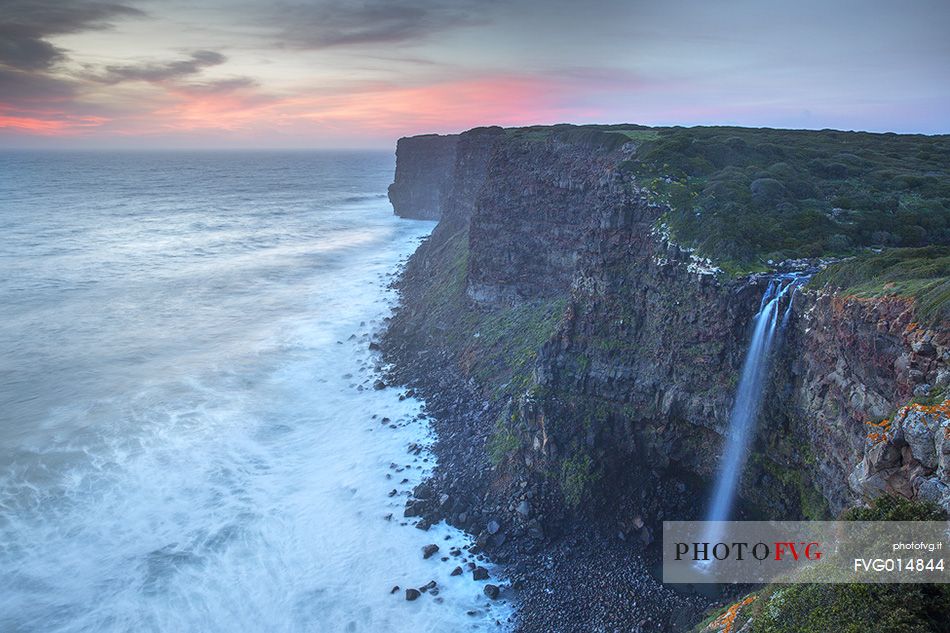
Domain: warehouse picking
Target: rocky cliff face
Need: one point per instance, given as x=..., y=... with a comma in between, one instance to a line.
x=639, y=377
x=424, y=172
x=528, y=223
x=633, y=379
x=861, y=363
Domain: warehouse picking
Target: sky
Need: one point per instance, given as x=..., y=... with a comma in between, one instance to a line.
x=340, y=74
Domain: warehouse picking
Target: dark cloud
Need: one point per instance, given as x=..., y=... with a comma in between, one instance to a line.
x=164, y=71
x=328, y=24
x=28, y=72
x=25, y=26
x=32, y=80
x=27, y=53
x=23, y=88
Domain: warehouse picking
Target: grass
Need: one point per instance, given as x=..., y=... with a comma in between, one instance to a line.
x=891, y=508
x=922, y=274
x=640, y=135
x=503, y=442
x=852, y=608
x=508, y=341
x=812, y=504
x=607, y=137
x=497, y=347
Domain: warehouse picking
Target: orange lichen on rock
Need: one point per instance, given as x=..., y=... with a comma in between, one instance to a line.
x=725, y=622
x=931, y=409
x=880, y=431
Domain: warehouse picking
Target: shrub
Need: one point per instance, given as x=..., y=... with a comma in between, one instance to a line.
x=759, y=191
x=767, y=190
x=576, y=478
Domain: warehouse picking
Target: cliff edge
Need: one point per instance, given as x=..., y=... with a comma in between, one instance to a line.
x=425, y=166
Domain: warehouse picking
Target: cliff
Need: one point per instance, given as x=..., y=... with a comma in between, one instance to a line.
x=600, y=357
x=424, y=170
x=865, y=367
x=643, y=360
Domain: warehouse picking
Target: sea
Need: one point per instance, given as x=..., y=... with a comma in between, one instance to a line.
x=190, y=437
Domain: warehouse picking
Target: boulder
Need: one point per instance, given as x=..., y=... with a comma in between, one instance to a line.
x=908, y=457
x=934, y=490
x=919, y=429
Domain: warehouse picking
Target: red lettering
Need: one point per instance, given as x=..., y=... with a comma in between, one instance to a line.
x=780, y=546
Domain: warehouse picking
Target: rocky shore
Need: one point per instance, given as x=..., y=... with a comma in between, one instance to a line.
x=567, y=574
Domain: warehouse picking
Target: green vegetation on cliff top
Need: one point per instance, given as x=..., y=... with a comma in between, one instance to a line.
x=749, y=195
x=758, y=194
x=920, y=273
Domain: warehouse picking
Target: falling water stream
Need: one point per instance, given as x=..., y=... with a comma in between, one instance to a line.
x=767, y=326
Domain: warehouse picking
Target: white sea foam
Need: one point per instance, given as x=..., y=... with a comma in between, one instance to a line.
x=215, y=466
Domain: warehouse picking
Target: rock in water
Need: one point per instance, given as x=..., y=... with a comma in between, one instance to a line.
x=412, y=594
x=429, y=550
x=492, y=591
x=480, y=573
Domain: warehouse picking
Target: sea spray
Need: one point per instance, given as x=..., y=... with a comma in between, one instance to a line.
x=189, y=437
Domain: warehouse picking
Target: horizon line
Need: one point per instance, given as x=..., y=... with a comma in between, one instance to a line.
x=39, y=146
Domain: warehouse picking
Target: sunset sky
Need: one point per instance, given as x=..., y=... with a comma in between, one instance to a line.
x=219, y=73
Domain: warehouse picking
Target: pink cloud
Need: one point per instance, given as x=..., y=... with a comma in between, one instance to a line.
x=46, y=123
x=366, y=111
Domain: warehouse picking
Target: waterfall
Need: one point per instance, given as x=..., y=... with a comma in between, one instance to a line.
x=766, y=325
